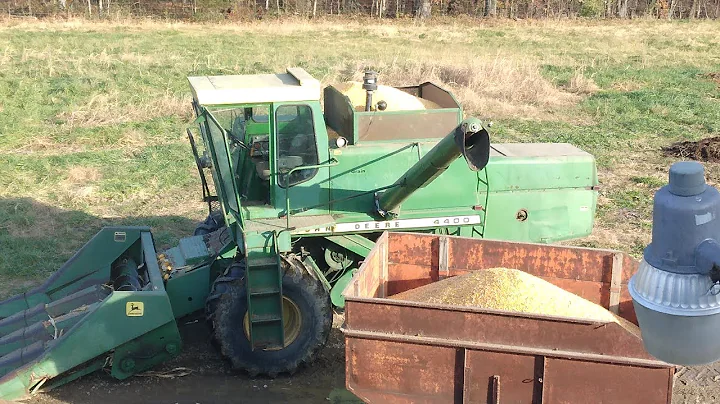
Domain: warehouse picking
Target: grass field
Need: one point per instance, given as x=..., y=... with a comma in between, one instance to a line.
x=92, y=114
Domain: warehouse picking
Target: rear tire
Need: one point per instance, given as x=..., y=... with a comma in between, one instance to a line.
x=315, y=309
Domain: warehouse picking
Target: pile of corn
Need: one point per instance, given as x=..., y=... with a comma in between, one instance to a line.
x=511, y=290
x=397, y=100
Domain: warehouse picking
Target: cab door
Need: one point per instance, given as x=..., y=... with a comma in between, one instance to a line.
x=300, y=157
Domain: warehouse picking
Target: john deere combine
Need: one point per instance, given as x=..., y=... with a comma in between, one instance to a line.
x=297, y=195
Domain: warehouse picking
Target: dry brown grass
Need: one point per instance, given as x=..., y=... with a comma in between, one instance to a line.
x=109, y=109
x=580, y=84
x=628, y=85
x=82, y=175
x=130, y=142
x=499, y=88
x=46, y=146
x=79, y=183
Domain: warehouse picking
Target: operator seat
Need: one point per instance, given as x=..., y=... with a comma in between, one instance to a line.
x=284, y=163
x=263, y=169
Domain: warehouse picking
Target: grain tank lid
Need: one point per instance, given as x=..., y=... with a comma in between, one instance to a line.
x=294, y=85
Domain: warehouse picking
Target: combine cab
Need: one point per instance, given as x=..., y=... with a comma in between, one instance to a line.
x=297, y=197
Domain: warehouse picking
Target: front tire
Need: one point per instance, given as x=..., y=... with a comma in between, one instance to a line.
x=303, y=295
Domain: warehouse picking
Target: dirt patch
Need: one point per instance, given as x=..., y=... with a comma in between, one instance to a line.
x=209, y=379
x=707, y=150
x=714, y=76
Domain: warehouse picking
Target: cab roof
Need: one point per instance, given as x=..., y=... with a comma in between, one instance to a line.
x=293, y=85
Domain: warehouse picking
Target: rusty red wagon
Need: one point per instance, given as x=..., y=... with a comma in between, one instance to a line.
x=409, y=352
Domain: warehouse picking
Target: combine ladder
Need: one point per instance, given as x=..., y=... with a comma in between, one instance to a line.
x=264, y=294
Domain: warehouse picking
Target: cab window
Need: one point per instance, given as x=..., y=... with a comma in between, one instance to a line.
x=296, y=145
x=260, y=114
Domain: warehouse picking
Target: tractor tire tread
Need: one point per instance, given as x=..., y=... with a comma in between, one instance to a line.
x=225, y=326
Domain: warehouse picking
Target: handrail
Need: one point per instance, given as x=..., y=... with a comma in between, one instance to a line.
x=331, y=163
x=332, y=201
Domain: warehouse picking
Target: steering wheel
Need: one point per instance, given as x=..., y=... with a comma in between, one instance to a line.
x=287, y=163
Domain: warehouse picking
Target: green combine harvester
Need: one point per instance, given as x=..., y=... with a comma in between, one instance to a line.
x=297, y=196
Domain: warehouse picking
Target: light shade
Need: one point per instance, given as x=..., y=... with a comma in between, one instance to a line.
x=678, y=315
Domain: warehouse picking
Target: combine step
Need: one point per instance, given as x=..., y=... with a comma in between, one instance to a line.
x=264, y=277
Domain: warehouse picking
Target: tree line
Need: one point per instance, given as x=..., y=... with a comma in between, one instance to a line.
x=243, y=9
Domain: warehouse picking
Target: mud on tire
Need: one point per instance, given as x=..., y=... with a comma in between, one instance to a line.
x=315, y=309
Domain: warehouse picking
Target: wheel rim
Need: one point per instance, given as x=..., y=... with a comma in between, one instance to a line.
x=292, y=321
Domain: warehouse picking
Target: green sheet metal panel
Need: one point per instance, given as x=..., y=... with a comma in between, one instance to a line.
x=193, y=249
x=187, y=291
x=336, y=292
x=370, y=167
x=545, y=215
x=163, y=344
x=367, y=168
x=543, y=198
x=110, y=325
x=88, y=266
x=353, y=242
x=541, y=172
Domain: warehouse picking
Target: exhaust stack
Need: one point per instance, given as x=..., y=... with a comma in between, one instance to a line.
x=369, y=85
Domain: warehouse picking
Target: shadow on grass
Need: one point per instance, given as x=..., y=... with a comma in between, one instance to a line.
x=37, y=238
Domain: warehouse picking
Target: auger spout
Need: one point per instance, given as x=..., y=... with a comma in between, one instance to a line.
x=469, y=139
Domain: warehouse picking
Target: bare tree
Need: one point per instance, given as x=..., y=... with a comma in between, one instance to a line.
x=422, y=9
x=622, y=8
x=694, y=10
x=490, y=8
